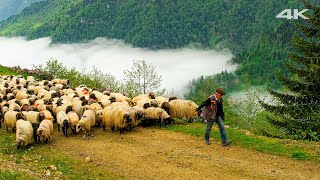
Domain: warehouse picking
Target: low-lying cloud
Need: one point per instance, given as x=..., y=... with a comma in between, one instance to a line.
x=177, y=67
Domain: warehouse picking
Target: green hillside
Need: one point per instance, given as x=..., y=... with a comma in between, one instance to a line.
x=11, y=7
x=250, y=29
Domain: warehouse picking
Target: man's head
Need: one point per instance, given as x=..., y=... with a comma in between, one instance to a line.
x=219, y=92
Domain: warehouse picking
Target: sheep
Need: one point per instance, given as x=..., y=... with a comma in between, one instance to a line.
x=156, y=114
x=34, y=118
x=10, y=119
x=62, y=108
x=74, y=119
x=63, y=121
x=182, y=109
x=25, y=101
x=98, y=112
x=22, y=94
x=79, y=109
x=139, y=97
x=98, y=94
x=45, y=131
x=154, y=103
x=14, y=107
x=166, y=107
x=61, y=81
x=161, y=100
x=137, y=113
x=24, y=133
x=86, y=122
x=116, y=118
x=82, y=92
x=119, y=97
x=105, y=101
x=143, y=102
x=31, y=79
x=47, y=115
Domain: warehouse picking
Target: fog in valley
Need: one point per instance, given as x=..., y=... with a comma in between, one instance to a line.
x=177, y=67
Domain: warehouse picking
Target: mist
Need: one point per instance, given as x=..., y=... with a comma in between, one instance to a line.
x=177, y=67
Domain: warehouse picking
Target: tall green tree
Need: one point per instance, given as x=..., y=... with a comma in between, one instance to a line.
x=298, y=112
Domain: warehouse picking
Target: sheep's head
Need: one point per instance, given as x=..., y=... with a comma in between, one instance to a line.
x=68, y=109
x=78, y=127
x=20, y=115
x=19, y=143
x=41, y=116
x=65, y=123
x=146, y=105
x=99, y=114
x=112, y=99
x=152, y=95
x=127, y=117
x=139, y=114
x=39, y=132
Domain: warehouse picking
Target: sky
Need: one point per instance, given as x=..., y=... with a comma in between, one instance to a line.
x=177, y=67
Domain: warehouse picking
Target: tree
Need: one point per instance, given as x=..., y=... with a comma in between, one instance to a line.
x=142, y=78
x=298, y=112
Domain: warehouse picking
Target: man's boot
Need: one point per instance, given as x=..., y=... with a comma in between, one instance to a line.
x=226, y=143
x=207, y=141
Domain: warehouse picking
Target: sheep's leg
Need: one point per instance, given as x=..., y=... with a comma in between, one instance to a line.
x=84, y=135
x=104, y=127
x=112, y=128
x=58, y=127
x=160, y=123
x=66, y=131
x=121, y=130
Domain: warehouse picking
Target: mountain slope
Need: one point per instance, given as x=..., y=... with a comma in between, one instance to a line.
x=250, y=29
x=11, y=7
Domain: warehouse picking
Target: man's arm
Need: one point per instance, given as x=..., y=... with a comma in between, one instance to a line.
x=204, y=103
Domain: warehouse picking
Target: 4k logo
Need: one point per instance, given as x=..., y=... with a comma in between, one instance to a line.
x=295, y=14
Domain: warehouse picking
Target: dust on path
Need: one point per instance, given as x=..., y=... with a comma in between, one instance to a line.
x=152, y=153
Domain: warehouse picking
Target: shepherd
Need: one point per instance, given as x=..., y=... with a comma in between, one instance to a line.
x=213, y=112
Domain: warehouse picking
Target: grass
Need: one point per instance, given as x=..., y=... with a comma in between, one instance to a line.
x=300, y=150
x=35, y=160
x=6, y=71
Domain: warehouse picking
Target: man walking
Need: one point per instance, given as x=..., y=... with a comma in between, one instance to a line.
x=213, y=112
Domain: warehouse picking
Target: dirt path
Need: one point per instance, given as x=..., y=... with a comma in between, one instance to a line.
x=151, y=153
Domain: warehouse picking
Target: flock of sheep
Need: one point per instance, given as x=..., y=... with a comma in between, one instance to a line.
x=31, y=108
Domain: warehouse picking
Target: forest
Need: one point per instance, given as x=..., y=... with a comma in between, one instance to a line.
x=257, y=38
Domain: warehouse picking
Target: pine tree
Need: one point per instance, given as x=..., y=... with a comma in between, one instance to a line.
x=298, y=112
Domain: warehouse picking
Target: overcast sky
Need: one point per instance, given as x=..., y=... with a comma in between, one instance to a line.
x=176, y=67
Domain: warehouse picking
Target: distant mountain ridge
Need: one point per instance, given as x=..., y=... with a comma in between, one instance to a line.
x=250, y=29
x=12, y=7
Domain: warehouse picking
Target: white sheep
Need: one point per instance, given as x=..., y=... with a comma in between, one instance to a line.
x=86, y=122
x=47, y=115
x=98, y=112
x=74, y=119
x=63, y=121
x=14, y=107
x=45, y=130
x=182, y=109
x=21, y=94
x=156, y=114
x=118, y=117
x=24, y=133
x=10, y=119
